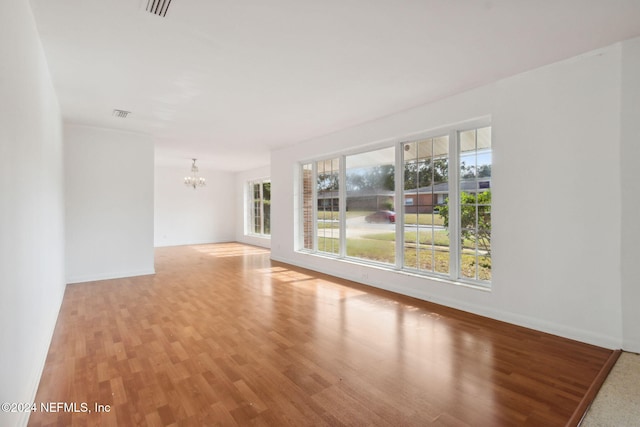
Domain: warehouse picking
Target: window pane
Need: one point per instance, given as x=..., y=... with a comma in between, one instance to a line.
x=371, y=217
x=441, y=261
x=307, y=206
x=257, y=217
x=425, y=240
x=328, y=221
x=441, y=147
x=476, y=266
x=484, y=138
x=468, y=141
x=266, y=207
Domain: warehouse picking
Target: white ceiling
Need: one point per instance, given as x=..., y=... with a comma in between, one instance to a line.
x=227, y=80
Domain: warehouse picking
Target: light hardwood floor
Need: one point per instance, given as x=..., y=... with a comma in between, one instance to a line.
x=220, y=335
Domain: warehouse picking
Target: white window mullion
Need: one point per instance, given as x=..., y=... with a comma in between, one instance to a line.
x=454, y=206
x=314, y=192
x=300, y=236
x=399, y=205
x=261, y=210
x=248, y=229
x=342, y=206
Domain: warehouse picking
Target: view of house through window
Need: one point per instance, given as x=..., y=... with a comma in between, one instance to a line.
x=475, y=203
x=426, y=187
x=370, y=223
x=440, y=216
x=260, y=207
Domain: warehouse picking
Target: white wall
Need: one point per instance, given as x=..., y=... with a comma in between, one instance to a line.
x=31, y=208
x=630, y=177
x=242, y=217
x=185, y=216
x=109, y=203
x=556, y=190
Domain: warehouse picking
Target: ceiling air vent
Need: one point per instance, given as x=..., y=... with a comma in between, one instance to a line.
x=121, y=113
x=158, y=7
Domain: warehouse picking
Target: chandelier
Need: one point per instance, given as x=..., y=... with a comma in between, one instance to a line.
x=194, y=180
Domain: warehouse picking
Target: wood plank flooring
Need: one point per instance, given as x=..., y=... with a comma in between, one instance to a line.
x=221, y=335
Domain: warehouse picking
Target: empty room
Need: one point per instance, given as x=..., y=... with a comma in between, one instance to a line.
x=319, y=213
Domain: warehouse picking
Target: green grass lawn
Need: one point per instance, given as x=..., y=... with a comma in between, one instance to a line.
x=328, y=225
x=374, y=250
x=335, y=216
x=377, y=250
x=423, y=219
x=409, y=219
x=438, y=238
x=382, y=249
x=426, y=260
x=326, y=215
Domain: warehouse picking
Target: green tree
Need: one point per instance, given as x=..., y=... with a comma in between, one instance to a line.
x=328, y=182
x=423, y=173
x=468, y=203
x=380, y=177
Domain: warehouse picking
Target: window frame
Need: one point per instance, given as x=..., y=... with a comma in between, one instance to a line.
x=460, y=230
x=344, y=229
x=402, y=191
x=316, y=207
x=453, y=193
x=251, y=217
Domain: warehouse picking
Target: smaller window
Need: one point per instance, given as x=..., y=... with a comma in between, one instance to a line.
x=259, y=205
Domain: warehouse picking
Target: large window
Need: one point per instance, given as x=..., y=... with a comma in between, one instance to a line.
x=260, y=207
x=422, y=205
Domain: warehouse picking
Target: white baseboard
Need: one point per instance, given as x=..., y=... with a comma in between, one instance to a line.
x=37, y=373
x=107, y=276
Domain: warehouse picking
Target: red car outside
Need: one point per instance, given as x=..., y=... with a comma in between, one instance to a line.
x=381, y=216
